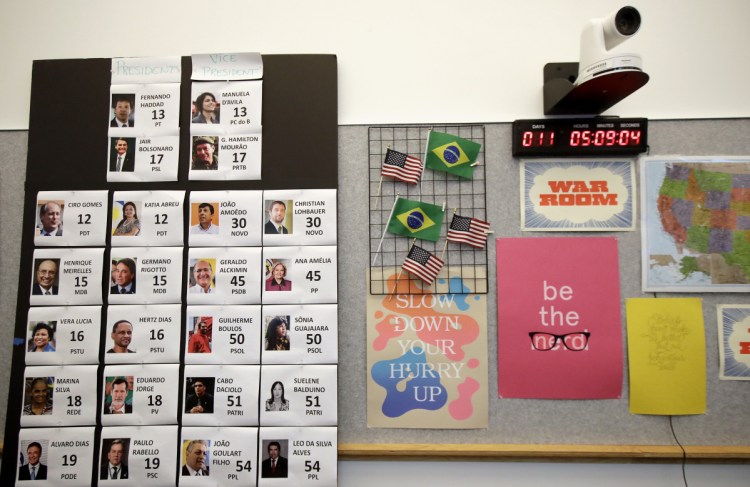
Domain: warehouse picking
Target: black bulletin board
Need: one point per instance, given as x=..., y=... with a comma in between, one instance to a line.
x=67, y=150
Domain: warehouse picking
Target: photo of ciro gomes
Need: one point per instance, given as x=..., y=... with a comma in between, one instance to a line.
x=70, y=218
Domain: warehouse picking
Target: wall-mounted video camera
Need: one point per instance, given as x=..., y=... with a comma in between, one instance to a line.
x=600, y=36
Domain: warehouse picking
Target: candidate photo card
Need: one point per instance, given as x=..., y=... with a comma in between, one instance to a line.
x=145, y=275
x=147, y=218
x=55, y=456
x=298, y=395
x=140, y=394
x=220, y=456
x=224, y=108
x=66, y=277
x=145, y=109
x=299, y=275
x=226, y=157
x=223, y=275
x=63, y=335
x=225, y=218
x=138, y=455
x=59, y=396
x=146, y=158
x=297, y=456
x=221, y=395
x=70, y=218
x=142, y=334
x=300, y=334
x=222, y=334
x=299, y=217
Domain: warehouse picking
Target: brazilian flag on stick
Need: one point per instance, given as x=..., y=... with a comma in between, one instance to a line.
x=450, y=153
x=416, y=219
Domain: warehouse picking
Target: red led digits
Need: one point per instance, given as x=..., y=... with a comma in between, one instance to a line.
x=538, y=139
x=606, y=138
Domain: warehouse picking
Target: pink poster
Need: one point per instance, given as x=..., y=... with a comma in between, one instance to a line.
x=559, y=330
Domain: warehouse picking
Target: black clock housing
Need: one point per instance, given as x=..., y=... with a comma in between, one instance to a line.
x=578, y=137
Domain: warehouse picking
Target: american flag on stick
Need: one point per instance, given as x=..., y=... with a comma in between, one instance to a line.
x=422, y=264
x=402, y=167
x=469, y=231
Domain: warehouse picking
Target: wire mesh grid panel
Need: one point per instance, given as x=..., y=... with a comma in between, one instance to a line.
x=465, y=267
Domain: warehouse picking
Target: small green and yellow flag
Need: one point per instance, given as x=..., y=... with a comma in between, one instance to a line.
x=416, y=219
x=450, y=153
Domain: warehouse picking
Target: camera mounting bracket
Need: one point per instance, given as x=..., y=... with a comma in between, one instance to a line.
x=563, y=97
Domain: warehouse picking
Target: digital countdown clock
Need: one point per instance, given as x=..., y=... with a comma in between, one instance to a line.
x=580, y=137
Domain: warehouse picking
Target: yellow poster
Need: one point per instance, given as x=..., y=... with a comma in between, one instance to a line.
x=667, y=356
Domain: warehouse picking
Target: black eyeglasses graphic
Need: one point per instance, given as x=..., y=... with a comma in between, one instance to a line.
x=544, y=342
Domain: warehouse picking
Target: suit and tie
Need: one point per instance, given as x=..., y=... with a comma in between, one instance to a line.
x=24, y=472
x=38, y=291
x=268, y=470
x=105, y=473
x=55, y=233
x=116, y=290
x=272, y=229
x=115, y=123
x=108, y=409
x=186, y=472
x=126, y=165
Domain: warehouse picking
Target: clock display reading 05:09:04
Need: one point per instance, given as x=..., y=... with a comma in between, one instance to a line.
x=580, y=137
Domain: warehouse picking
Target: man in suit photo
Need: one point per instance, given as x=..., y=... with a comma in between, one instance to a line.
x=122, y=106
x=34, y=469
x=124, y=277
x=275, y=466
x=121, y=159
x=195, y=459
x=117, y=404
x=46, y=273
x=276, y=215
x=115, y=467
x=50, y=218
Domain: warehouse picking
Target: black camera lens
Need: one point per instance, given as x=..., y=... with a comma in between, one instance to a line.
x=627, y=21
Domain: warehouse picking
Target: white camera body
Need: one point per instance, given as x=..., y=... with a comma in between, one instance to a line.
x=600, y=36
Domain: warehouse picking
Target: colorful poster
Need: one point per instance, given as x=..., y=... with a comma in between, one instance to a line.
x=667, y=356
x=696, y=221
x=559, y=329
x=427, y=358
x=734, y=341
x=581, y=195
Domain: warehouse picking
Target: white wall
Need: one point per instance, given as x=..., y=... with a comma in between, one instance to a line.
x=501, y=474
x=413, y=61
